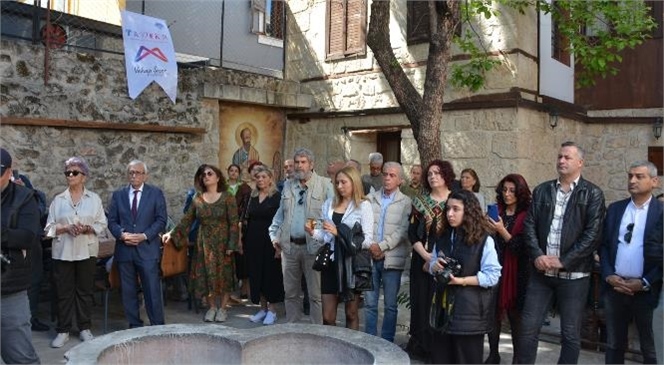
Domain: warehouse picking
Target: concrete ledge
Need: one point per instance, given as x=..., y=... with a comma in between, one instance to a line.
x=211, y=343
x=257, y=96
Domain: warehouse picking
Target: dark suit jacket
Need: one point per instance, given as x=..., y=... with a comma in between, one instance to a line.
x=652, y=244
x=150, y=219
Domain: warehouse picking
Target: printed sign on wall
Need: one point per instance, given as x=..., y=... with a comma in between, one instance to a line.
x=149, y=54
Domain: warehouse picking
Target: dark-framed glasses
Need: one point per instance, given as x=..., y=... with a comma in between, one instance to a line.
x=70, y=173
x=132, y=173
x=301, y=201
x=628, y=234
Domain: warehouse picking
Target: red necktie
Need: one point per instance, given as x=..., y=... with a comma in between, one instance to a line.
x=134, y=204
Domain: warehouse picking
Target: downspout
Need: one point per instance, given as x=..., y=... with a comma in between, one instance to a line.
x=539, y=55
x=221, y=45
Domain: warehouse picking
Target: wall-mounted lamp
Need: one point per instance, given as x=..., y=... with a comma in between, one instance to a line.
x=344, y=130
x=553, y=117
x=657, y=128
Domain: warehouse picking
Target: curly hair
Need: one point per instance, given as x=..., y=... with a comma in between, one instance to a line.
x=446, y=171
x=198, y=178
x=522, y=193
x=474, y=224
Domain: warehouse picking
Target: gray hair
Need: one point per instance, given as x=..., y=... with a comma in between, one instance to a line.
x=582, y=152
x=375, y=157
x=354, y=163
x=273, y=188
x=304, y=152
x=395, y=165
x=137, y=162
x=80, y=163
x=652, y=169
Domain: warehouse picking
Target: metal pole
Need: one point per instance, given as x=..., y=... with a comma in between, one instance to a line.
x=47, y=53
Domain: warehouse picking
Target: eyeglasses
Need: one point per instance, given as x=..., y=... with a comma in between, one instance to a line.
x=209, y=173
x=70, y=173
x=301, y=201
x=132, y=173
x=628, y=234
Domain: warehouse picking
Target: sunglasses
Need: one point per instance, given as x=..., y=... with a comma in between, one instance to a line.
x=70, y=173
x=209, y=173
x=628, y=234
x=301, y=201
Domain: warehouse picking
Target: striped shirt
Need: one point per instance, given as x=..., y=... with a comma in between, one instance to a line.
x=553, y=240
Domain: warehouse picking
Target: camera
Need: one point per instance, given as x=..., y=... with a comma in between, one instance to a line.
x=452, y=267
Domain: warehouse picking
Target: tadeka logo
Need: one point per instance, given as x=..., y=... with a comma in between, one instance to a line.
x=155, y=36
x=145, y=52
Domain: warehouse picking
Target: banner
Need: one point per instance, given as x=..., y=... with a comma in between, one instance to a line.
x=149, y=54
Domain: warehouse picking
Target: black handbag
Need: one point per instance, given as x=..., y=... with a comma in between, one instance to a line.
x=323, y=258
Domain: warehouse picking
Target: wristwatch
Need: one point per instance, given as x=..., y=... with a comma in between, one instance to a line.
x=646, y=286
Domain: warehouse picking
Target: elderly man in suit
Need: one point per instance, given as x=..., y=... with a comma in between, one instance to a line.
x=137, y=215
x=632, y=280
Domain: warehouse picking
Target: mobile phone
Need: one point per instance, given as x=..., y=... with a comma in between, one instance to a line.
x=16, y=175
x=492, y=210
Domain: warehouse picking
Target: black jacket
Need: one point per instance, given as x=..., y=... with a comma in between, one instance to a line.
x=582, y=224
x=20, y=233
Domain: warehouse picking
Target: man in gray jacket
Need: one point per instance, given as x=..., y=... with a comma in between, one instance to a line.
x=389, y=251
x=301, y=199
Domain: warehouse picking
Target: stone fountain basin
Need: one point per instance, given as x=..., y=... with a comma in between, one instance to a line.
x=217, y=344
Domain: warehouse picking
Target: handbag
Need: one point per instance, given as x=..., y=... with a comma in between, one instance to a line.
x=323, y=258
x=173, y=261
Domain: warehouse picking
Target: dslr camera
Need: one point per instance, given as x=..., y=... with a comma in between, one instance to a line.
x=452, y=267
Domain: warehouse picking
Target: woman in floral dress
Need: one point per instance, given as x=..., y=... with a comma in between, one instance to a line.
x=212, y=273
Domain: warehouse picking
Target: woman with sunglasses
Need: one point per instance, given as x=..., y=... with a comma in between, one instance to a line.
x=347, y=207
x=75, y=220
x=263, y=260
x=513, y=198
x=466, y=298
x=212, y=273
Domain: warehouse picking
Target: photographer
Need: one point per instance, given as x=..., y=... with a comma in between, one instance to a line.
x=20, y=234
x=465, y=265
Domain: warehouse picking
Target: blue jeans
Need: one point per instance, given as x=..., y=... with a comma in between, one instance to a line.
x=572, y=297
x=391, y=280
x=16, y=332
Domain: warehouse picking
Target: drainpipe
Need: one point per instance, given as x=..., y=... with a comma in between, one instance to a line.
x=221, y=41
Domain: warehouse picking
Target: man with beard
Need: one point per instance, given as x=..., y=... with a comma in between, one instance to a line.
x=301, y=199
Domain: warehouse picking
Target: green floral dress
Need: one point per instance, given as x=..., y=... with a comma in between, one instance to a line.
x=211, y=269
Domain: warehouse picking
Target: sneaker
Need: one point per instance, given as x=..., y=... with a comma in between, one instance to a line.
x=270, y=318
x=60, y=340
x=221, y=316
x=258, y=317
x=86, y=335
x=210, y=314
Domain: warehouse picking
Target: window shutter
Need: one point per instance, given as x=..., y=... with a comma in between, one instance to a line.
x=417, y=27
x=336, y=36
x=258, y=5
x=356, y=15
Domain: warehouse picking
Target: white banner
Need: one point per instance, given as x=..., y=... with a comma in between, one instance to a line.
x=149, y=54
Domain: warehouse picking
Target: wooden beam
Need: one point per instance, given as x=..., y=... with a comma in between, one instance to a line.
x=65, y=123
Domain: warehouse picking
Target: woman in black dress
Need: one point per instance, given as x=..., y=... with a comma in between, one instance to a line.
x=264, y=263
x=426, y=225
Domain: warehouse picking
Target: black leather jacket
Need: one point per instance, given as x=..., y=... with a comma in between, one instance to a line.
x=582, y=224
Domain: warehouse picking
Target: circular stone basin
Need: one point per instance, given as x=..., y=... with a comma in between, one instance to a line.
x=209, y=343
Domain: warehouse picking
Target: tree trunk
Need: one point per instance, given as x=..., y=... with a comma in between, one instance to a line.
x=425, y=112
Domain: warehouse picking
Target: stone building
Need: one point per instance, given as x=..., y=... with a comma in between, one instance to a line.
x=506, y=127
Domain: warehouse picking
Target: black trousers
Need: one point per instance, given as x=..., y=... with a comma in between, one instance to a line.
x=457, y=349
x=619, y=309
x=74, y=282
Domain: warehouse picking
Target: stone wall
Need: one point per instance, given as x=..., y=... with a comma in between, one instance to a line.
x=494, y=142
x=93, y=88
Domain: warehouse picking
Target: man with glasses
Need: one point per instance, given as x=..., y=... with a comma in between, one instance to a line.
x=20, y=235
x=301, y=199
x=136, y=217
x=632, y=280
x=561, y=232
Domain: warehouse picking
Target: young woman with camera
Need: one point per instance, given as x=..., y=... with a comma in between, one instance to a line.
x=467, y=298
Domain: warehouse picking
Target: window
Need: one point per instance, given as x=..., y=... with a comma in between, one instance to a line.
x=268, y=18
x=559, y=43
x=417, y=23
x=346, y=24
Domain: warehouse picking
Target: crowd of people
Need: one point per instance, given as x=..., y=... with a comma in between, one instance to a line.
x=346, y=238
